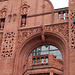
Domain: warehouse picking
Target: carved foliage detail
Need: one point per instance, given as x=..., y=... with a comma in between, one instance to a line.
x=72, y=28
x=8, y=44
x=59, y=29
x=23, y=34
x=63, y=29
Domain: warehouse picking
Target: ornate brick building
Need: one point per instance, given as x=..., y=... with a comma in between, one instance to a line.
x=36, y=39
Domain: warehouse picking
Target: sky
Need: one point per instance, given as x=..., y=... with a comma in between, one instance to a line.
x=60, y=3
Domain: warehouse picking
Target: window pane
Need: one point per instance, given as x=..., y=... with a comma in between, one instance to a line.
x=53, y=48
x=46, y=59
x=38, y=60
x=42, y=60
x=43, y=53
x=39, y=48
x=59, y=57
x=46, y=49
x=33, y=54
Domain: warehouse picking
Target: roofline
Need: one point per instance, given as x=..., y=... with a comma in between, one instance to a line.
x=62, y=8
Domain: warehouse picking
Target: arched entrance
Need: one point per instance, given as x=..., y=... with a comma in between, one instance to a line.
x=32, y=43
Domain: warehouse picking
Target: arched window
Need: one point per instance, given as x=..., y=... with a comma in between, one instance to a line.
x=46, y=49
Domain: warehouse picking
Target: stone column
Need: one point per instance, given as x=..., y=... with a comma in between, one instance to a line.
x=61, y=15
x=66, y=15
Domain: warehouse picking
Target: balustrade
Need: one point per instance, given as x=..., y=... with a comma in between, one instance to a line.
x=59, y=16
x=41, y=61
x=63, y=15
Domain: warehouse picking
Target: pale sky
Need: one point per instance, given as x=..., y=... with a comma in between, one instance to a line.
x=60, y=3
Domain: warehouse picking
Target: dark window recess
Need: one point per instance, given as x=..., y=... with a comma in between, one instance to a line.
x=59, y=15
x=2, y=22
x=23, y=20
x=74, y=22
x=55, y=74
x=34, y=61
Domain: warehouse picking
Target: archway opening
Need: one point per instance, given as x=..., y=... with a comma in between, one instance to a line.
x=33, y=51
x=45, y=57
x=47, y=49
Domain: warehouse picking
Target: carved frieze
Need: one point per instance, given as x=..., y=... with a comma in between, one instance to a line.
x=61, y=29
x=23, y=34
x=64, y=30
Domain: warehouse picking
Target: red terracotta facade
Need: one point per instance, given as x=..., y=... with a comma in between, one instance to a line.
x=27, y=24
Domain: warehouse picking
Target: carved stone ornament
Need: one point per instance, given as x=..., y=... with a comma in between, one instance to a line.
x=3, y=12
x=61, y=29
x=24, y=8
x=72, y=28
x=8, y=44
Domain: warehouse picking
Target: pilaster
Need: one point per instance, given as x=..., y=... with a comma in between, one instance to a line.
x=71, y=37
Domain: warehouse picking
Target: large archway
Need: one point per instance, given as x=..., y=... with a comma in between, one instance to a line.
x=35, y=41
